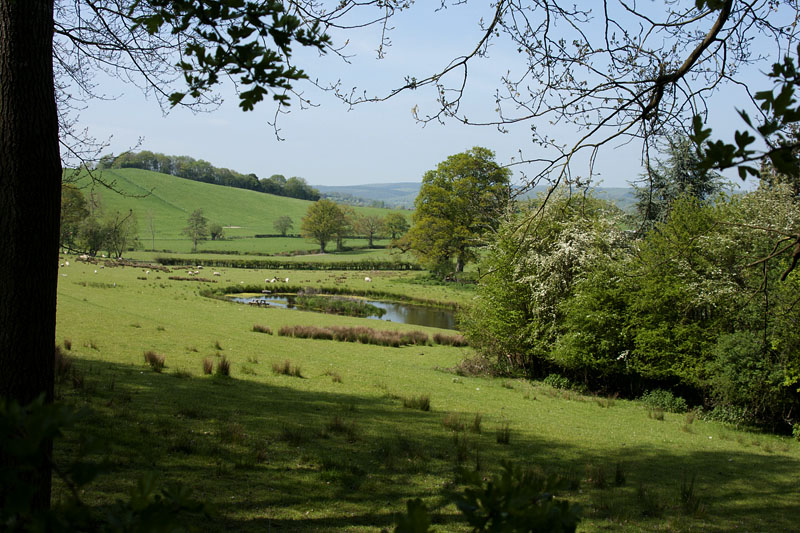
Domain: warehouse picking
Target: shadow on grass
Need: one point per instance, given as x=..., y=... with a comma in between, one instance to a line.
x=269, y=456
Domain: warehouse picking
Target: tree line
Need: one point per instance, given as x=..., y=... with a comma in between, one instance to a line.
x=198, y=170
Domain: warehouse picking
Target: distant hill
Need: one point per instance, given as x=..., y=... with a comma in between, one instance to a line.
x=402, y=195
x=168, y=201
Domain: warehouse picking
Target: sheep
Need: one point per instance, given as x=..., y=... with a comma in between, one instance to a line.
x=146, y=272
x=286, y=280
x=368, y=279
x=95, y=271
x=217, y=274
x=66, y=263
x=265, y=291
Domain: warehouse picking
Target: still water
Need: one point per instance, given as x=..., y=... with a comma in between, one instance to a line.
x=418, y=315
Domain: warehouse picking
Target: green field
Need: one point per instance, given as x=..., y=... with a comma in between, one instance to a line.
x=168, y=201
x=336, y=450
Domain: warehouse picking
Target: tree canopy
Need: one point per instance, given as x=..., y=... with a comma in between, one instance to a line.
x=323, y=221
x=459, y=201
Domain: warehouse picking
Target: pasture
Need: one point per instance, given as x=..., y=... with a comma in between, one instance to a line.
x=338, y=445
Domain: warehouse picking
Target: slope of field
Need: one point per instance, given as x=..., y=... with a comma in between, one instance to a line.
x=169, y=200
x=341, y=449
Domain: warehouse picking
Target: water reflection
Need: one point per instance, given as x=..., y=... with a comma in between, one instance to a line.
x=418, y=315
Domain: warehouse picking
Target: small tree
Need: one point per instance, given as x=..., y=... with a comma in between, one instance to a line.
x=121, y=230
x=283, y=224
x=197, y=228
x=369, y=226
x=396, y=224
x=216, y=231
x=73, y=212
x=323, y=221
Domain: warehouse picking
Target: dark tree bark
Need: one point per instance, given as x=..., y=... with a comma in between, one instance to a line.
x=30, y=183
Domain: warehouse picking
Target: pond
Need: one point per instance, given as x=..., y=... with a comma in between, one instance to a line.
x=419, y=315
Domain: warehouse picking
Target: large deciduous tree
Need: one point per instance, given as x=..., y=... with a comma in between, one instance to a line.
x=396, y=224
x=324, y=220
x=459, y=201
x=196, y=228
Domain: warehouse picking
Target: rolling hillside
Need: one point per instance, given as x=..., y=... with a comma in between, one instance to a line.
x=168, y=201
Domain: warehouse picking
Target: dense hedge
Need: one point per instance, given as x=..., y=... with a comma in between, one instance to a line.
x=285, y=265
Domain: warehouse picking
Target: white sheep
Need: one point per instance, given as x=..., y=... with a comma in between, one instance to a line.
x=95, y=271
x=66, y=263
x=147, y=272
x=287, y=280
x=368, y=279
x=217, y=274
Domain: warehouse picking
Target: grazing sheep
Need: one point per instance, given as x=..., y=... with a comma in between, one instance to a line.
x=265, y=291
x=147, y=272
x=367, y=279
x=66, y=263
x=95, y=271
x=217, y=274
x=287, y=280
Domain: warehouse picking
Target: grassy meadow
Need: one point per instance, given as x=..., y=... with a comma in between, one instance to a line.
x=331, y=444
x=167, y=201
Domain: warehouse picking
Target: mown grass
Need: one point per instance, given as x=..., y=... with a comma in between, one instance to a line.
x=321, y=454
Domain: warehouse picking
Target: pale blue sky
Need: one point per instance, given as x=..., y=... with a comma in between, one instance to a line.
x=372, y=143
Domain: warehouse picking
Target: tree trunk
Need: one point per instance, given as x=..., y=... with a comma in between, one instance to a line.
x=30, y=185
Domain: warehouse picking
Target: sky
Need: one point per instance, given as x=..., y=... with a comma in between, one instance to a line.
x=331, y=144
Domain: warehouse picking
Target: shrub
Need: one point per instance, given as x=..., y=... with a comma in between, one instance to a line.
x=335, y=376
x=422, y=402
x=155, y=360
x=664, y=400
x=796, y=431
x=208, y=366
x=223, y=367
x=691, y=503
x=262, y=329
x=557, y=382
x=449, y=340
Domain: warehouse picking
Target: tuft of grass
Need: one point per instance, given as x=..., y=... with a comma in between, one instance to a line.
x=91, y=344
x=450, y=340
x=252, y=360
x=619, y=475
x=421, y=402
x=63, y=364
x=258, y=328
x=248, y=371
x=232, y=433
x=223, y=367
x=67, y=344
x=656, y=414
x=208, y=366
x=217, y=345
x=507, y=385
x=475, y=427
x=335, y=376
x=691, y=504
x=294, y=435
x=503, y=435
x=649, y=503
x=338, y=424
x=155, y=360
x=453, y=422
x=596, y=476
x=183, y=374
x=461, y=445
x=286, y=369
x=161, y=328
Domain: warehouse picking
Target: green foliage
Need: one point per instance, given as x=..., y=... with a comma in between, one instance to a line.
x=683, y=174
x=780, y=111
x=283, y=224
x=196, y=228
x=226, y=38
x=396, y=224
x=216, y=231
x=664, y=399
x=458, y=202
x=73, y=211
x=515, y=501
x=557, y=382
x=323, y=221
x=338, y=306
